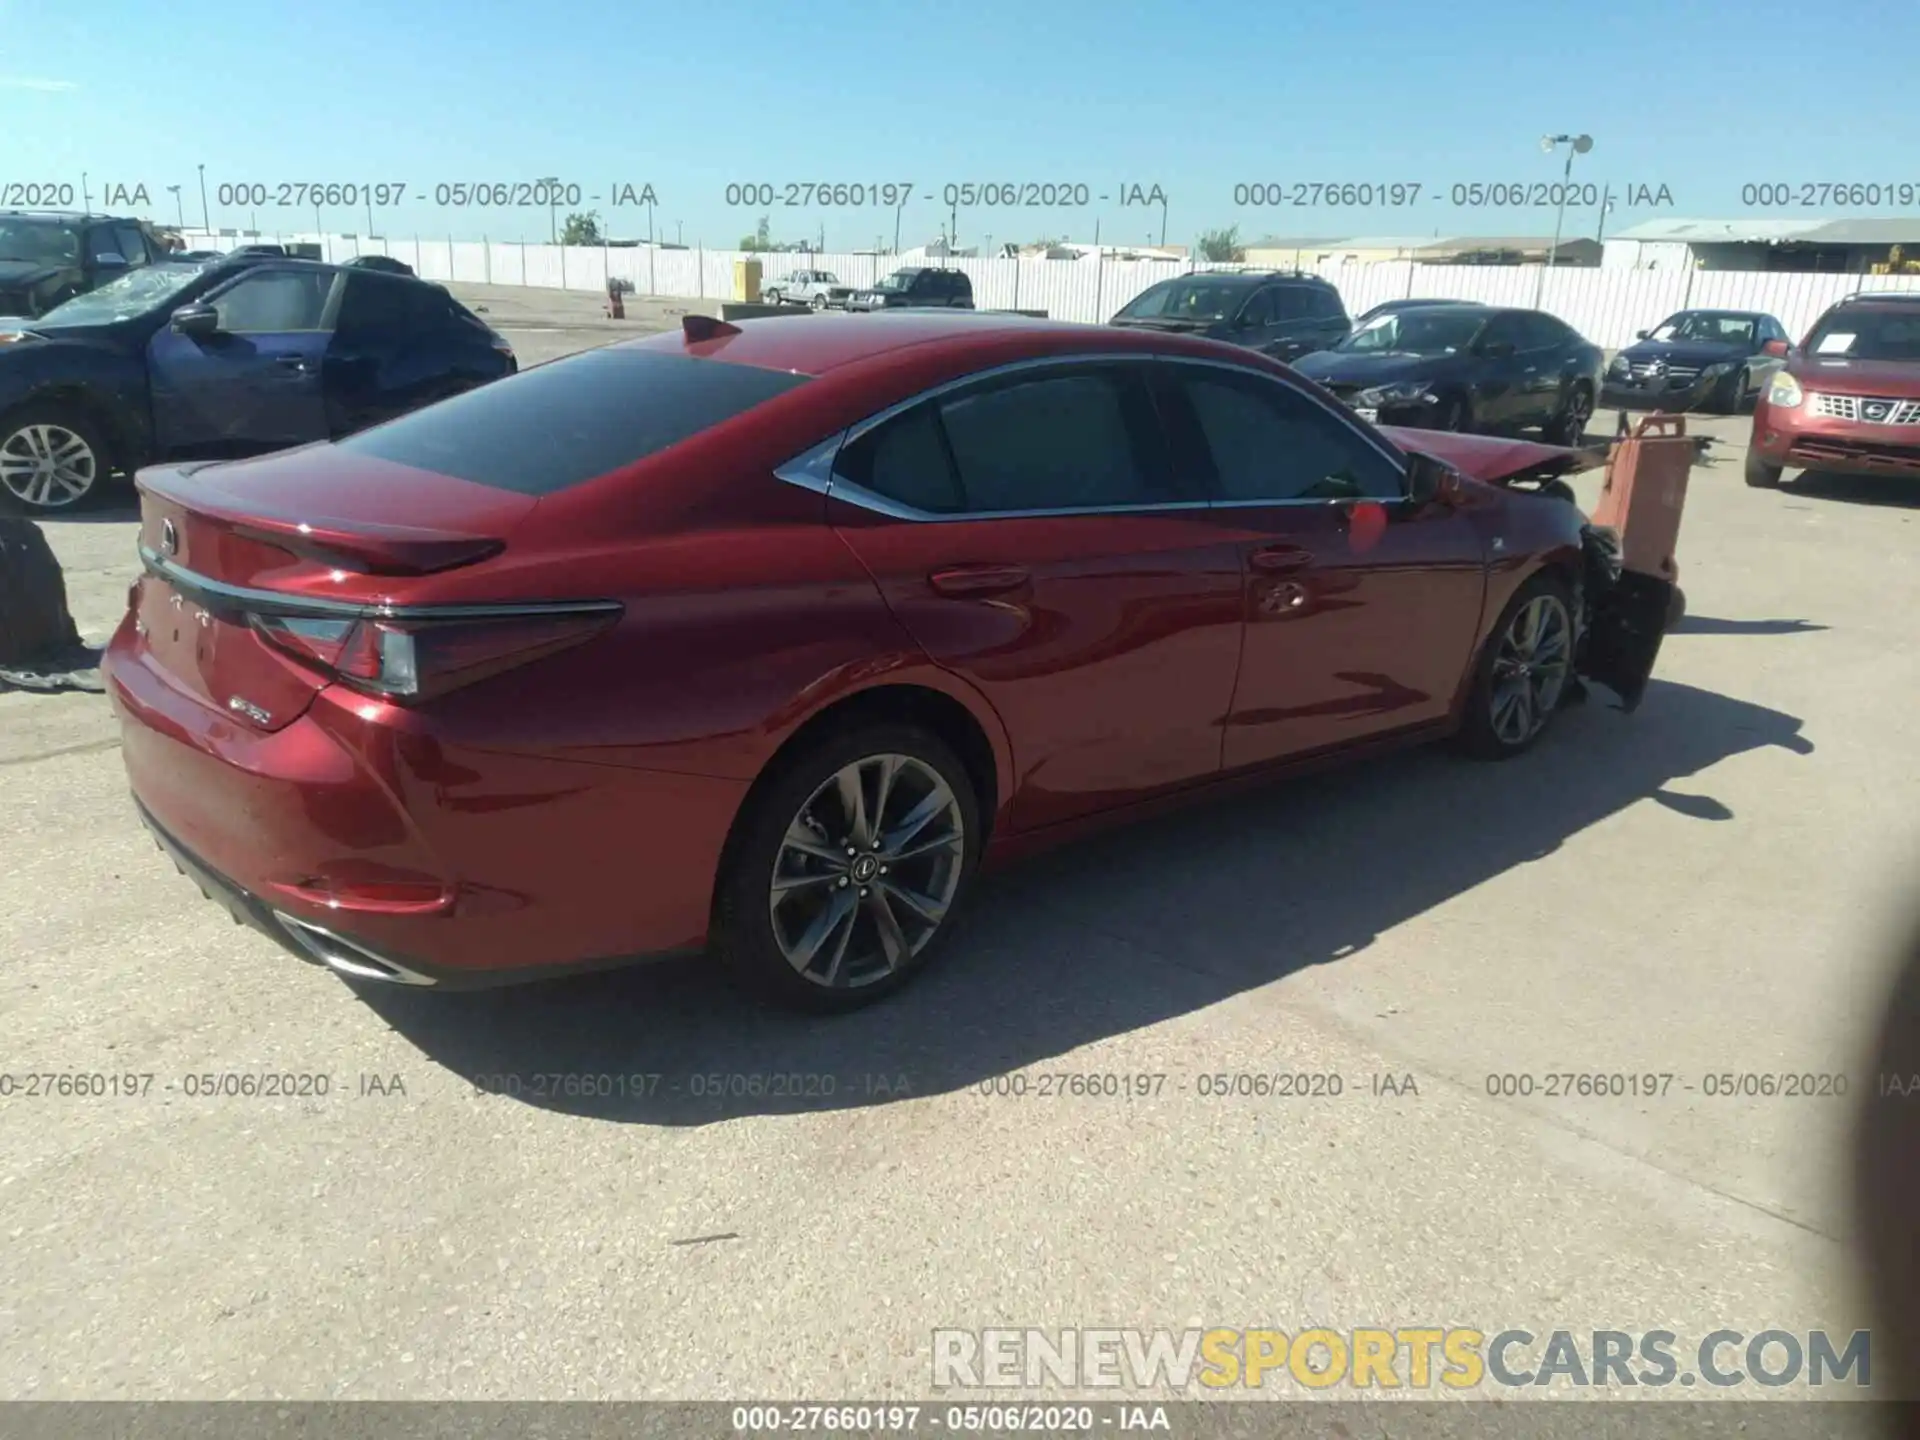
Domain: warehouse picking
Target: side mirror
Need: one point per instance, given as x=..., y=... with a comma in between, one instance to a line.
x=1641, y=334
x=1777, y=348
x=1430, y=482
x=196, y=320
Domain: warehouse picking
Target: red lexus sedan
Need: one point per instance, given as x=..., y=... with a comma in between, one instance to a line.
x=761, y=639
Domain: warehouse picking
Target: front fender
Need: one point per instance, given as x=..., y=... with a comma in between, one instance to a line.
x=112, y=386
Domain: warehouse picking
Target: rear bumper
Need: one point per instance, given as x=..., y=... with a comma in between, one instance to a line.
x=355, y=838
x=1843, y=447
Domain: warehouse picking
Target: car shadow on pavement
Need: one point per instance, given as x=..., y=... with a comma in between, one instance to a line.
x=1706, y=625
x=1894, y=492
x=1115, y=933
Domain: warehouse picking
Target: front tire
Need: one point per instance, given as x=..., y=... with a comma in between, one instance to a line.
x=1525, y=673
x=817, y=304
x=1731, y=397
x=53, y=458
x=846, y=868
x=1759, y=474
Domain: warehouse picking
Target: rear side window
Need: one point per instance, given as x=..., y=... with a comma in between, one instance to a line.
x=554, y=426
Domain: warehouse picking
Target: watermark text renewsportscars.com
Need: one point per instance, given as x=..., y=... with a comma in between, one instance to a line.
x=1420, y=1358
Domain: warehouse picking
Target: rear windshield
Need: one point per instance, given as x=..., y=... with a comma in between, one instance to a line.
x=557, y=425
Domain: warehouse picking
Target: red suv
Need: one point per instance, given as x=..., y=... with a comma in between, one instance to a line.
x=1848, y=399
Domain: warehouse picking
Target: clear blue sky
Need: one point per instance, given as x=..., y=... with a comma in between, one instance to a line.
x=1698, y=96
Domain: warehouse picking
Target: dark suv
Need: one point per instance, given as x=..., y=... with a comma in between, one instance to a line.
x=1279, y=313
x=920, y=286
x=48, y=257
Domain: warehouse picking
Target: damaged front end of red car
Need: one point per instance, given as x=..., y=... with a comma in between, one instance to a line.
x=1625, y=613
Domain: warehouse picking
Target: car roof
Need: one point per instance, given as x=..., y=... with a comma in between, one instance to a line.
x=71, y=217
x=818, y=344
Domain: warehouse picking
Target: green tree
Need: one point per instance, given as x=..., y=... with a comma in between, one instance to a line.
x=1222, y=246
x=762, y=237
x=582, y=229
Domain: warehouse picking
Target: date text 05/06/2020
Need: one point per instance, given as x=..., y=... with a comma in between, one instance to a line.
x=1463, y=194
x=954, y=195
x=448, y=194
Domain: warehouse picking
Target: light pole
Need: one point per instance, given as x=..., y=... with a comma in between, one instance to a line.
x=552, y=182
x=319, y=233
x=1576, y=145
x=179, y=206
x=1606, y=205
x=86, y=195
x=1163, y=221
x=206, y=218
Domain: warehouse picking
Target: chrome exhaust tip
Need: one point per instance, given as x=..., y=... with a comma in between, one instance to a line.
x=345, y=956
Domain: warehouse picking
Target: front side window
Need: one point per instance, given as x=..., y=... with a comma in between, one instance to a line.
x=38, y=242
x=275, y=302
x=1268, y=442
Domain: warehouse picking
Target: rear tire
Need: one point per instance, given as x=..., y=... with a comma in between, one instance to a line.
x=801, y=923
x=1759, y=474
x=772, y=297
x=1524, y=674
x=54, y=458
x=1569, y=427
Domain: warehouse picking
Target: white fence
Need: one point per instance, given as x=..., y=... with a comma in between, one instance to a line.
x=1605, y=305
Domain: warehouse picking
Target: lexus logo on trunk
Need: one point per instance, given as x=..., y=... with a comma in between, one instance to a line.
x=169, y=538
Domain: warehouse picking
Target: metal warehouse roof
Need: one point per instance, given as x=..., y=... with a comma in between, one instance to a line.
x=1419, y=242
x=1775, y=232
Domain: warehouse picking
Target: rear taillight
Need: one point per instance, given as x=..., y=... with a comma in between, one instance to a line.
x=416, y=660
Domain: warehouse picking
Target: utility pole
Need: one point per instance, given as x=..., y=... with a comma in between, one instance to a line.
x=179, y=206
x=86, y=195
x=1576, y=145
x=206, y=218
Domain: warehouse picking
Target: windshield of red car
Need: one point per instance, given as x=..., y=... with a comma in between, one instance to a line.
x=1864, y=333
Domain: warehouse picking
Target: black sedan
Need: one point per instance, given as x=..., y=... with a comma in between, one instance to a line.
x=222, y=360
x=1394, y=307
x=1696, y=360
x=1466, y=367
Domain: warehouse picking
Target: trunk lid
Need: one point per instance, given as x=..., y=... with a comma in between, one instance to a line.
x=312, y=530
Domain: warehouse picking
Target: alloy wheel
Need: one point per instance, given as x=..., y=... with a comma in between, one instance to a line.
x=47, y=466
x=1579, y=411
x=867, y=871
x=1530, y=669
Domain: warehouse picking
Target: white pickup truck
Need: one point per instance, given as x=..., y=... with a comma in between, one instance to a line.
x=820, y=289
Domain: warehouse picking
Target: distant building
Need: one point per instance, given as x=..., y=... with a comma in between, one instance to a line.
x=1840, y=246
x=1289, y=254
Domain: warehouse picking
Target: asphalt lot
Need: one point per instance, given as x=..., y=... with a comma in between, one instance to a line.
x=1706, y=886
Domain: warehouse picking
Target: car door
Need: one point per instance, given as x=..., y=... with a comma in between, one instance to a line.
x=1253, y=327
x=1328, y=324
x=1498, y=374
x=255, y=383
x=1361, y=608
x=396, y=345
x=1550, y=363
x=1291, y=332
x=1030, y=535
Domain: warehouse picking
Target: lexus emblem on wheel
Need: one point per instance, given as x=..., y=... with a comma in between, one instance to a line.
x=169, y=538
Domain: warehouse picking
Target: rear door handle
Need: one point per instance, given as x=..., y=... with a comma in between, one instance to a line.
x=968, y=580
x=1280, y=559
